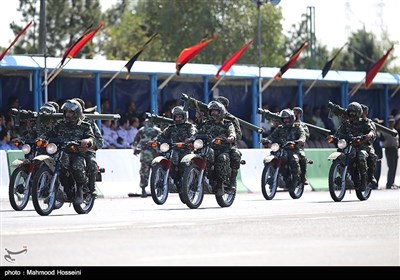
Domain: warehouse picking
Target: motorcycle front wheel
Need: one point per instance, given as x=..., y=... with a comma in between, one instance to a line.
x=269, y=181
x=42, y=197
x=192, y=190
x=19, y=189
x=158, y=188
x=337, y=181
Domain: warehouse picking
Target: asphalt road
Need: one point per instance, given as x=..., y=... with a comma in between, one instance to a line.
x=310, y=231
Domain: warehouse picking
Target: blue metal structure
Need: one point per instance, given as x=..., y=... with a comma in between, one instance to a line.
x=96, y=71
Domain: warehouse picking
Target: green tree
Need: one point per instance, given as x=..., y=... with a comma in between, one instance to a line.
x=65, y=22
x=183, y=23
x=363, y=51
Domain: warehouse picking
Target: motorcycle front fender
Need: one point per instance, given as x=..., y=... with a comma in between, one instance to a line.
x=269, y=158
x=158, y=159
x=187, y=159
x=334, y=155
x=48, y=160
x=18, y=162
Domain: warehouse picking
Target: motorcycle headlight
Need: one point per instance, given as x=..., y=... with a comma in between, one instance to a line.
x=51, y=148
x=274, y=147
x=198, y=144
x=342, y=144
x=164, y=147
x=26, y=149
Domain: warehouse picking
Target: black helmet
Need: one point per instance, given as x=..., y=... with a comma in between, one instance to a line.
x=285, y=115
x=223, y=100
x=47, y=109
x=298, y=110
x=75, y=107
x=178, y=110
x=215, y=105
x=55, y=105
x=354, y=111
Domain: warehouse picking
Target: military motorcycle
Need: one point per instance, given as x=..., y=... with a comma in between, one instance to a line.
x=20, y=186
x=54, y=180
x=344, y=173
x=161, y=180
x=199, y=176
x=277, y=172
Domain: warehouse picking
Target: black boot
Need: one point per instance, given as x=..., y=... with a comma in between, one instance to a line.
x=234, y=174
x=144, y=193
x=79, y=195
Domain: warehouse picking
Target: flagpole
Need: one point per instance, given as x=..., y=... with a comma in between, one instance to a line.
x=267, y=85
x=312, y=85
x=166, y=81
x=216, y=84
x=394, y=93
x=46, y=83
x=113, y=77
x=354, y=89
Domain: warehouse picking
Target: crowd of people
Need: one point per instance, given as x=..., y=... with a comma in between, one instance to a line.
x=129, y=130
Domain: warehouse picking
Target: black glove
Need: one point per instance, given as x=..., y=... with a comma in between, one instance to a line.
x=136, y=151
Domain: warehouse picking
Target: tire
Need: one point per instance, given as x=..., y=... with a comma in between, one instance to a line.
x=227, y=199
x=297, y=191
x=337, y=188
x=86, y=206
x=269, y=181
x=192, y=194
x=43, y=200
x=158, y=188
x=364, y=195
x=19, y=188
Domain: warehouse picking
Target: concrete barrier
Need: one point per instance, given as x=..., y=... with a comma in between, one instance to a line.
x=122, y=171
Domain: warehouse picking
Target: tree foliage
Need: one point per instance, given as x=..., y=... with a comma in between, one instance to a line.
x=65, y=22
x=128, y=24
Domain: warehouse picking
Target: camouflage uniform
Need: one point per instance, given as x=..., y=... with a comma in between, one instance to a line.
x=368, y=146
x=290, y=132
x=73, y=129
x=298, y=112
x=224, y=129
x=90, y=156
x=145, y=134
x=235, y=154
x=356, y=127
x=178, y=132
x=77, y=132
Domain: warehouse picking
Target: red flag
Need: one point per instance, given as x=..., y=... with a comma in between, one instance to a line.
x=291, y=61
x=228, y=63
x=129, y=64
x=371, y=73
x=82, y=42
x=15, y=40
x=188, y=54
x=66, y=53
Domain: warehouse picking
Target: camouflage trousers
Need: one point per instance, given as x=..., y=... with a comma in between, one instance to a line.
x=146, y=157
x=90, y=158
x=222, y=165
x=77, y=165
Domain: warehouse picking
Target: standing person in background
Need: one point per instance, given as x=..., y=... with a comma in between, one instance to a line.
x=140, y=145
x=298, y=113
x=378, y=143
x=391, y=144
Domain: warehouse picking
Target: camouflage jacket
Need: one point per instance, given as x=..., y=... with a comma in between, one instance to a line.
x=178, y=133
x=222, y=129
x=283, y=134
x=144, y=135
x=236, y=124
x=98, y=141
x=74, y=132
x=361, y=128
